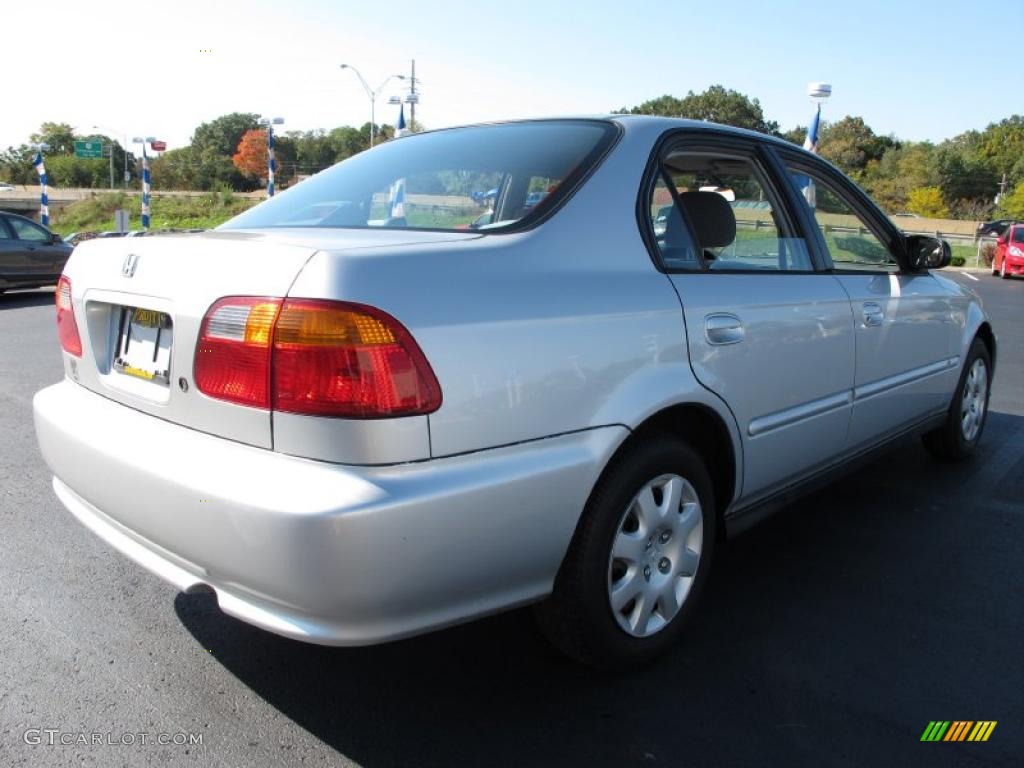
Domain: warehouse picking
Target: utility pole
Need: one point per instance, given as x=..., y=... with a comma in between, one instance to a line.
x=1002, y=189
x=412, y=101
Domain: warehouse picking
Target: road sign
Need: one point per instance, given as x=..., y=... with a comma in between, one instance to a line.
x=158, y=146
x=88, y=149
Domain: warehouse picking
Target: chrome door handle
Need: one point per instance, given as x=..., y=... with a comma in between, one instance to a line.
x=723, y=328
x=872, y=314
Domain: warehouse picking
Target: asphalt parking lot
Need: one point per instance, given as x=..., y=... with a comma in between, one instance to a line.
x=831, y=634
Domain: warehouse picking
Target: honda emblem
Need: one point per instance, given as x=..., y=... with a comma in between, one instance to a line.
x=131, y=261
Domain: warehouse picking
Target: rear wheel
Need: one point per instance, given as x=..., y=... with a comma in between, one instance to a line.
x=965, y=420
x=639, y=559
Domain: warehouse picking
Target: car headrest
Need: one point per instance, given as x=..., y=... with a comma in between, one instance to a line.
x=713, y=221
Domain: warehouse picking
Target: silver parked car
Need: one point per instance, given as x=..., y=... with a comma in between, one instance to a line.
x=368, y=424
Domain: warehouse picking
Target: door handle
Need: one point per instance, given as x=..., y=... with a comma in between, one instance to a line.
x=873, y=314
x=723, y=328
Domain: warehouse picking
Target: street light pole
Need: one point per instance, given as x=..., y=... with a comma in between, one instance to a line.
x=124, y=145
x=372, y=94
x=145, y=177
x=269, y=124
x=44, y=203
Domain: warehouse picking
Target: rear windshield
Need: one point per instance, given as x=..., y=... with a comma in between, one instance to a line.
x=487, y=178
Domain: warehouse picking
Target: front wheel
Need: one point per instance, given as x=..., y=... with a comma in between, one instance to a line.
x=1002, y=270
x=639, y=559
x=965, y=420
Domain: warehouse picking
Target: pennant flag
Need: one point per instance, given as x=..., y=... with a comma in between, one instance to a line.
x=44, y=201
x=400, y=129
x=145, y=188
x=271, y=161
x=811, y=142
x=398, y=200
x=811, y=145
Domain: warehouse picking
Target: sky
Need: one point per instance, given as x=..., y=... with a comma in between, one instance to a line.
x=919, y=70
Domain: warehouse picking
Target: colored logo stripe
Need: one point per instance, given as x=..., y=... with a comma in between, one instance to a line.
x=958, y=730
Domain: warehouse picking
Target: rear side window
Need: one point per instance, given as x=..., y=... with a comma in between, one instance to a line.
x=26, y=230
x=718, y=213
x=488, y=178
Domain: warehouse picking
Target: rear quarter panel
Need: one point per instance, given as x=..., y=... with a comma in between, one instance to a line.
x=564, y=327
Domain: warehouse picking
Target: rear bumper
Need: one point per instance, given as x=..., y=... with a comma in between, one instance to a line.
x=326, y=553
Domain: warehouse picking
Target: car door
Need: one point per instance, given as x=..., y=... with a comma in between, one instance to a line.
x=14, y=261
x=906, y=342
x=767, y=330
x=35, y=246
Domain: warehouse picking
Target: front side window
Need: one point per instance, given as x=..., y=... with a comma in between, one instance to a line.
x=483, y=178
x=26, y=230
x=722, y=208
x=851, y=242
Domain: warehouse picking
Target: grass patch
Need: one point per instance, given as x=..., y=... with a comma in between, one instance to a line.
x=97, y=213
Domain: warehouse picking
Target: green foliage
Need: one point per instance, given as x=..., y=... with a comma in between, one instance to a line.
x=927, y=202
x=60, y=137
x=97, y=213
x=717, y=104
x=1012, y=204
x=852, y=145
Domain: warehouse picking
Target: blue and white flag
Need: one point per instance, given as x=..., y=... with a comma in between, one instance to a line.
x=44, y=201
x=400, y=129
x=398, y=200
x=811, y=142
x=271, y=161
x=811, y=145
x=145, y=188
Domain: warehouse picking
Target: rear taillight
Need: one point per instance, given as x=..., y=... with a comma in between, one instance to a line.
x=67, y=328
x=233, y=353
x=322, y=358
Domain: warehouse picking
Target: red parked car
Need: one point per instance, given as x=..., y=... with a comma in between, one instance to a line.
x=1009, y=256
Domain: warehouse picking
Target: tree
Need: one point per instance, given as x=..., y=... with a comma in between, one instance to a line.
x=60, y=137
x=1012, y=204
x=1002, y=144
x=852, y=145
x=717, y=104
x=251, y=158
x=223, y=134
x=928, y=202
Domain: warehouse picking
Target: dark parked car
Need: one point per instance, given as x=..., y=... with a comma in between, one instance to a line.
x=30, y=255
x=995, y=228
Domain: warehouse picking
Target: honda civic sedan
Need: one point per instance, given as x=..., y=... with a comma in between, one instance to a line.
x=374, y=423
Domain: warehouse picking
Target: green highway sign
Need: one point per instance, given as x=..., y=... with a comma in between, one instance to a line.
x=88, y=149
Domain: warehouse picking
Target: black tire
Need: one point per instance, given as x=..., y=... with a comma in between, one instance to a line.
x=1002, y=270
x=578, y=618
x=949, y=441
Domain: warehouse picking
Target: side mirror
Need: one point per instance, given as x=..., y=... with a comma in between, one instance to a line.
x=1000, y=240
x=55, y=238
x=927, y=252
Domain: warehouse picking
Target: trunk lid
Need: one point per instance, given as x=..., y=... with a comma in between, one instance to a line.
x=139, y=304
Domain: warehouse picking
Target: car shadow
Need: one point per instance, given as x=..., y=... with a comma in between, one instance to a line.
x=831, y=608
x=15, y=299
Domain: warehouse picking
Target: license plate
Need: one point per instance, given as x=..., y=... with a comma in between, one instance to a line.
x=144, y=344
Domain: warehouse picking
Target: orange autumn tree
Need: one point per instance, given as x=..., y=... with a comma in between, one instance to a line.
x=251, y=157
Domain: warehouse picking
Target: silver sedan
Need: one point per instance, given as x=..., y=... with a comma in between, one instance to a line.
x=355, y=418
